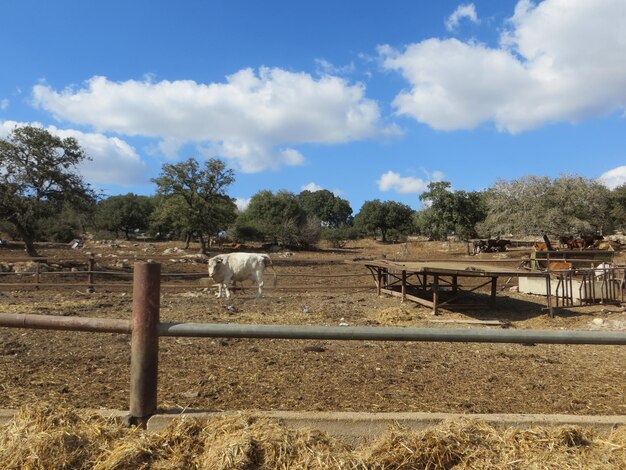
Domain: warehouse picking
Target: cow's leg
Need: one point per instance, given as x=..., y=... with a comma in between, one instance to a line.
x=259, y=281
x=221, y=290
x=227, y=283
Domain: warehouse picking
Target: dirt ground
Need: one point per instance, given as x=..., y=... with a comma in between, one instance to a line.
x=91, y=370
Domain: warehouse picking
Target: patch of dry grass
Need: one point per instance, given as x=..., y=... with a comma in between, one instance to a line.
x=471, y=444
x=42, y=438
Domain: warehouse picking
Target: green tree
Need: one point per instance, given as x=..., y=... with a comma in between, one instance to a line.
x=38, y=178
x=65, y=226
x=618, y=207
x=331, y=210
x=385, y=218
x=338, y=236
x=450, y=212
x=279, y=217
x=194, y=199
x=124, y=213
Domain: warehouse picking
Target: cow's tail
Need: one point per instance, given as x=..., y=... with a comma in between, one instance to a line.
x=268, y=262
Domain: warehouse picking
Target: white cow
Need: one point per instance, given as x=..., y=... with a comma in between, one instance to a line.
x=237, y=267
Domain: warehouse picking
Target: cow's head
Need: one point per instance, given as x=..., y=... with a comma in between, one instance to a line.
x=215, y=265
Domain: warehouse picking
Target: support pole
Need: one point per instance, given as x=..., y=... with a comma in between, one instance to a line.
x=144, y=341
x=91, y=264
x=37, y=274
x=549, y=296
x=435, y=288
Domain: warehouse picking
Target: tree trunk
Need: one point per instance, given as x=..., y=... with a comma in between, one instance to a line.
x=30, y=248
x=187, y=240
x=29, y=241
x=202, y=244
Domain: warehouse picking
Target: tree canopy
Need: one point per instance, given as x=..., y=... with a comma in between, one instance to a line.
x=38, y=179
x=193, y=198
x=125, y=213
x=331, y=210
x=618, y=207
x=533, y=205
x=279, y=217
x=388, y=217
x=450, y=212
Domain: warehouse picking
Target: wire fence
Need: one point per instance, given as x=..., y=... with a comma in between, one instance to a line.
x=86, y=272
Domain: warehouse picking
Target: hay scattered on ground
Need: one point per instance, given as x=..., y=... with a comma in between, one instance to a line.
x=396, y=316
x=471, y=444
x=42, y=438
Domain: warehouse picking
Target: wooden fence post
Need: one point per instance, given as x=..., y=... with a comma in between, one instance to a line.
x=144, y=341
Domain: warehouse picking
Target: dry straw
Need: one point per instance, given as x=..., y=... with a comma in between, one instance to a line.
x=41, y=437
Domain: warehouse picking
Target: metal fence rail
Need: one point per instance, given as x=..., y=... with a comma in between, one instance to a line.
x=465, y=335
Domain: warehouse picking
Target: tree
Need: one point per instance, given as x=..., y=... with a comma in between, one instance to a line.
x=194, y=199
x=533, y=205
x=65, y=225
x=279, y=217
x=38, y=178
x=125, y=213
x=338, y=236
x=450, y=212
x=384, y=217
x=618, y=207
x=331, y=210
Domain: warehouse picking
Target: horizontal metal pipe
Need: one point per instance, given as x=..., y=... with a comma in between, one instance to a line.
x=220, y=330
x=54, y=322
x=391, y=334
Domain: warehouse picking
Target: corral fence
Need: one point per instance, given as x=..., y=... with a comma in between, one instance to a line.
x=86, y=272
x=145, y=329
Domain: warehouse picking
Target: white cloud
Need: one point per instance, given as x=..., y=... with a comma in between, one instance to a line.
x=614, y=178
x=401, y=184
x=560, y=60
x=4, y=104
x=252, y=118
x=6, y=127
x=316, y=187
x=463, y=11
x=324, y=67
x=437, y=176
x=113, y=161
x=242, y=203
x=311, y=187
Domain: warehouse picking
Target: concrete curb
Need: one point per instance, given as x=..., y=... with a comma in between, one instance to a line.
x=354, y=427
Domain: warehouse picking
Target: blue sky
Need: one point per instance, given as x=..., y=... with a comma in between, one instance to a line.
x=365, y=98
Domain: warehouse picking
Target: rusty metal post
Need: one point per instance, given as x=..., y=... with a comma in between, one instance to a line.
x=403, y=285
x=549, y=296
x=37, y=274
x=144, y=341
x=91, y=263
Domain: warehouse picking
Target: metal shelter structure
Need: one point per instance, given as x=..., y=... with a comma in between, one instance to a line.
x=435, y=284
